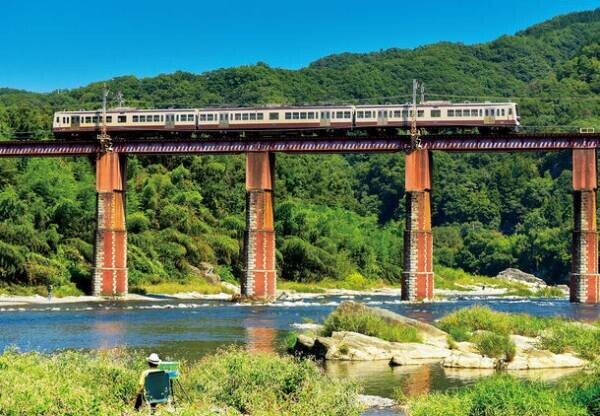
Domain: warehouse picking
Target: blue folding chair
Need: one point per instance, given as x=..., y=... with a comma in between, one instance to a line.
x=157, y=389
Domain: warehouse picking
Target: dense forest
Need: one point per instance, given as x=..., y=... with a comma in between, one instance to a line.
x=337, y=215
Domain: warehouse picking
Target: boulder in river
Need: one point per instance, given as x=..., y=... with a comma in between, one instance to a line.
x=519, y=276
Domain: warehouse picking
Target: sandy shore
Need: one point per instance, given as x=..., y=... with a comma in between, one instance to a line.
x=11, y=301
x=6, y=300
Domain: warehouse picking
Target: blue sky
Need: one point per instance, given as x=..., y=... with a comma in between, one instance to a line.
x=47, y=45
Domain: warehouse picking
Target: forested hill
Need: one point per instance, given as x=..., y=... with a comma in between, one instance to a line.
x=337, y=215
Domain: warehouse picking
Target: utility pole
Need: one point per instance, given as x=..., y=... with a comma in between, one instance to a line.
x=103, y=137
x=415, y=139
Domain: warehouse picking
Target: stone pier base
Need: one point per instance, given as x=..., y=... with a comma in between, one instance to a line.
x=259, y=280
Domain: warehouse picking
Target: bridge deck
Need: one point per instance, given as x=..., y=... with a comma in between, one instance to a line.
x=342, y=144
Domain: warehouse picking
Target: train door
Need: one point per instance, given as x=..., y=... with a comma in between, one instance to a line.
x=75, y=122
x=382, y=117
x=489, y=117
x=169, y=121
x=223, y=120
x=325, y=118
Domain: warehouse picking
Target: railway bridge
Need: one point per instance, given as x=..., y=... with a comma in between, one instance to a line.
x=259, y=280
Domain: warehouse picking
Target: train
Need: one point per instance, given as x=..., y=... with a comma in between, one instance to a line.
x=433, y=116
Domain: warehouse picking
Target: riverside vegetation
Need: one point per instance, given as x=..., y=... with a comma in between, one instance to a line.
x=337, y=215
x=105, y=383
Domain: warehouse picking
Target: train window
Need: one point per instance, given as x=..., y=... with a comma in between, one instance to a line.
x=245, y=116
x=436, y=113
x=303, y=115
x=367, y=114
x=480, y=112
x=339, y=114
x=162, y=118
x=191, y=117
x=450, y=113
x=360, y=114
x=210, y=117
x=273, y=116
x=348, y=115
x=253, y=116
x=510, y=112
x=296, y=116
x=458, y=113
x=121, y=119
x=109, y=119
x=473, y=112
x=487, y=112
x=421, y=113
x=202, y=117
x=157, y=118
x=136, y=119
x=311, y=115
x=142, y=119
x=58, y=119
x=404, y=113
x=260, y=116
x=288, y=116
x=238, y=116
x=397, y=113
x=95, y=119
x=183, y=117
x=503, y=112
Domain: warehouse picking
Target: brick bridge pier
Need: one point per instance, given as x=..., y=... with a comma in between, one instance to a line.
x=260, y=275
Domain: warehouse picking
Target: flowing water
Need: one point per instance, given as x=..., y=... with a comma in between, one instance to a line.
x=190, y=329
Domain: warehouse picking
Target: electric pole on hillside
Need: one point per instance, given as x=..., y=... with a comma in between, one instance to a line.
x=415, y=139
x=103, y=137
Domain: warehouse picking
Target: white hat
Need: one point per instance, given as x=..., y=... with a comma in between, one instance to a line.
x=153, y=358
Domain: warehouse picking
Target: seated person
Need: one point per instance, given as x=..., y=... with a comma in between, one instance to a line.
x=153, y=362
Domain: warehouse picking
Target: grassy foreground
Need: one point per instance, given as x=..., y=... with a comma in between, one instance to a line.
x=230, y=382
x=503, y=395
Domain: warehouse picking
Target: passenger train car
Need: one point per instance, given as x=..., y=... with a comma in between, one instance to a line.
x=431, y=115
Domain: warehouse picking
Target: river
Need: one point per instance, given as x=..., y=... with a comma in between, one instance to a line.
x=189, y=329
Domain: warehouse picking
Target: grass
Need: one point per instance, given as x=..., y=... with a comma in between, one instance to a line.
x=457, y=279
x=230, y=382
x=171, y=288
x=354, y=317
x=58, y=291
x=556, y=334
x=503, y=395
x=354, y=281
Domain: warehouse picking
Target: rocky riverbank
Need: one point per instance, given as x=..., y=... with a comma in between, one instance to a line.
x=434, y=346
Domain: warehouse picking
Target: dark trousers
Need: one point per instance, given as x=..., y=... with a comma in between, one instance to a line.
x=139, y=402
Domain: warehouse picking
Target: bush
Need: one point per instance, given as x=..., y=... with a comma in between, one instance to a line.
x=495, y=345
x=354, y=317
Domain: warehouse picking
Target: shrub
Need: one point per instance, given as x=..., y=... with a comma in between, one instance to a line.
x=495, y=345
x=358, y=318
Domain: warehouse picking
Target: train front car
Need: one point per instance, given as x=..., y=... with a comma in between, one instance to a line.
x=125, y=122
